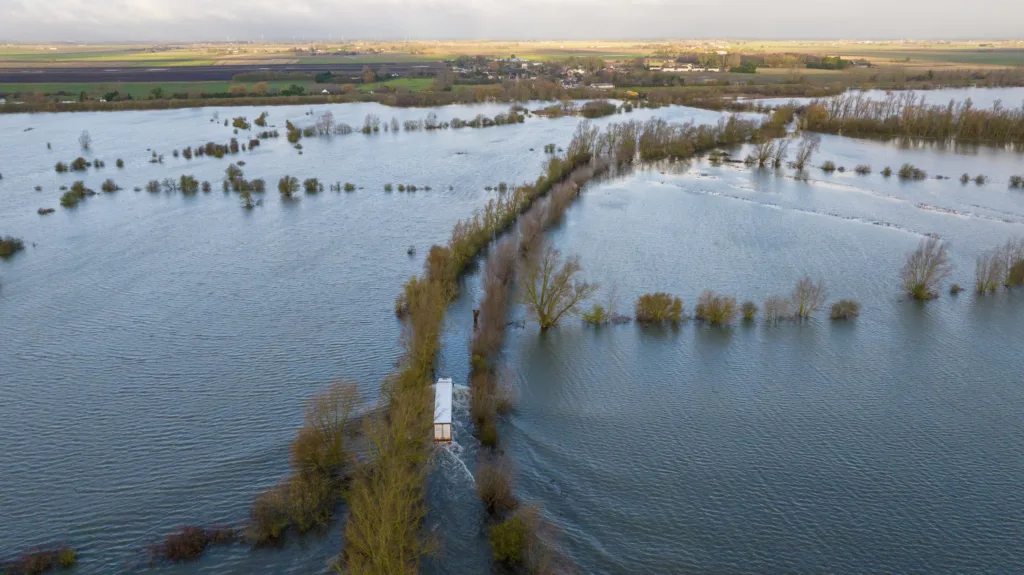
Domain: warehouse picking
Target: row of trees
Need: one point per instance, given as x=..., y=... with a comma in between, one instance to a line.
x=906, y=115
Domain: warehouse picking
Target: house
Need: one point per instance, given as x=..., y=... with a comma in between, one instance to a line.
x=443, y=390
x=603, y=86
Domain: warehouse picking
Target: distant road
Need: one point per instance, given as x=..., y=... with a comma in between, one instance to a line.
x=193, y=73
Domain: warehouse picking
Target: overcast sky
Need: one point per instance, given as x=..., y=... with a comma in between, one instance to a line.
x=182, y=20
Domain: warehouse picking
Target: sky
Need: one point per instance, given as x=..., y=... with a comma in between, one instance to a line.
x=296, y=20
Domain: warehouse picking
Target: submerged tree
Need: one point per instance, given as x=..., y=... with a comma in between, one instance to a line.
x=925, y=269
x=808, y=146
x=551, y=288
x=808, y=297
x=85, y=140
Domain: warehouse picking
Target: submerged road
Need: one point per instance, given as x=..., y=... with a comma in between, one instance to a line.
x=197, y=73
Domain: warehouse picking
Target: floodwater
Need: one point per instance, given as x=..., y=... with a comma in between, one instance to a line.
x=891, y=444
x=1011, y=97
x=156, y=350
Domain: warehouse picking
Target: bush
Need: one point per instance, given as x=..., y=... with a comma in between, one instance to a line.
x=240, y=123
x=401, y=187
x=715, y=309
x=109, y=186
x=596, y=316
x=387, y=187
x=120, y=163
x=79, y=165
x=776, y=309
x=909, y=172
x=597, y=109
x=829, y=166
x=186, y=544
x=288, y=186
x=10, y=245
x=350, y=187
x=845, y=309
x=40, y=560
x=980, y=180
x=269, y=515
x=1015, y=181
x=887, y=172
x=312, y=186
x=659, y=308
x=749, y=310
x=964, y=178
x=509, y=540
x=1016, y=275
x=808, y=297
x=494, y=486
x=61, y=167
x=45, y=211
x=925, y=269
x=955, y=289
x=862, y=169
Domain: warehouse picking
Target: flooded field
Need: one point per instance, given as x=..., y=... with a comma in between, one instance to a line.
x=156, y=350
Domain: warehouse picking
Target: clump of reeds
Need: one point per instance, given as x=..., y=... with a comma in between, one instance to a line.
x=910, y=172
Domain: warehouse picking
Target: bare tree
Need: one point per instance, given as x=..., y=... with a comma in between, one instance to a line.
x=925, y=269
x=1008, y=255
x=776, y=309
x=808, y=297
x=85, y=140
x=550, y=288
x=325, y=124
x=780, y=153
x=808, y=146
x=762, y=154
x=989, y=271
x=320, y=444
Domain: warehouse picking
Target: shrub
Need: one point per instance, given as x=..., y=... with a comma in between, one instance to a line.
x=989, y=272
x=964, y=178
x=1016, y=275
x=207, y=188
x=40, y=560
x=1015, y=181
x=909, y=172
x=79, y=165
x=509, y=540
x=715, y=309
x=312, y=186
x=401, y=187
x=120, y=163
x=887, y=172
x=659, y=308
x=10, y=245
x=776, y=309
x=184, y=545
x=845, y=309
x=45, y=211
x=269, y=515
x=925, y=269
x=829, y=166
x=862, y=169
x=109, y=186
x=240, y=123
x=61, y=167
x=596, y=316
x=808, y=297
x=387, y=187
x=288, y=186
x=980, y=180
x=494, y=486
x=955, y=289
x=350, y=187
x=749, y=310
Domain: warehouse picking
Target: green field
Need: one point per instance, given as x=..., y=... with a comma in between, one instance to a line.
x=411, y=84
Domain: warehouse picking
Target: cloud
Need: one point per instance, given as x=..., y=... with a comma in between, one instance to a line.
x=183, y=20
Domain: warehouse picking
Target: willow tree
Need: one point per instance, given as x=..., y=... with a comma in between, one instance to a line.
x=551, y=289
